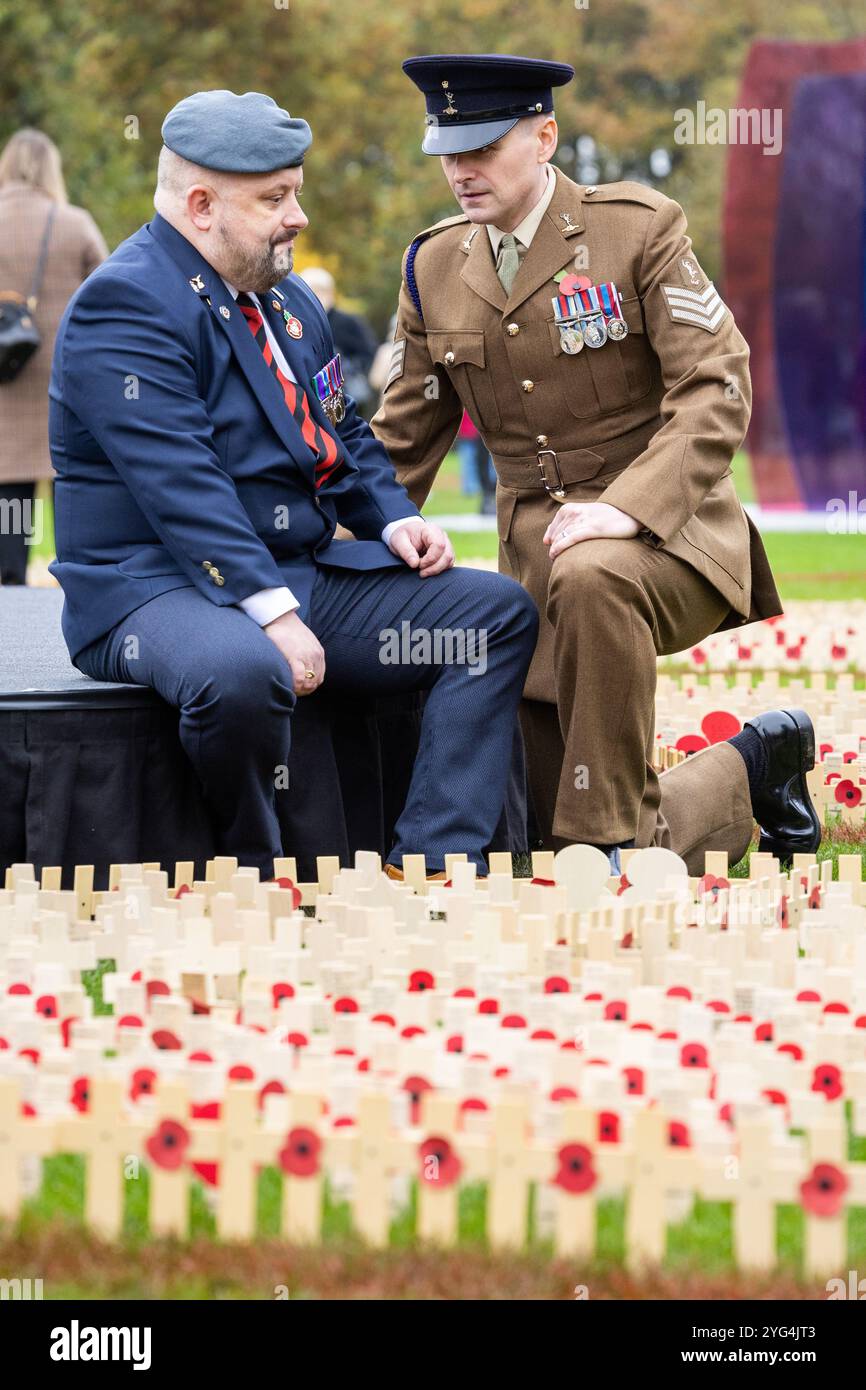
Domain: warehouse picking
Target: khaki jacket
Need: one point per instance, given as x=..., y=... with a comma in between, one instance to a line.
x=649, y=424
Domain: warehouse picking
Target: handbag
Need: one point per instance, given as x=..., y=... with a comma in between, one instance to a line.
x=19, y=336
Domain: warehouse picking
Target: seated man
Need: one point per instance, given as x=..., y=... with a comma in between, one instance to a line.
x=205, y=452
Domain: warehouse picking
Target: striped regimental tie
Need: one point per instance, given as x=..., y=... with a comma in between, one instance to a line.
x=323, y=446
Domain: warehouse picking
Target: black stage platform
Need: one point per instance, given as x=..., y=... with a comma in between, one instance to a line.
x=93, y=773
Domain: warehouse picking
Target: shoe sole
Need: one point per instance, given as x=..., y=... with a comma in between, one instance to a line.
x=783, y=849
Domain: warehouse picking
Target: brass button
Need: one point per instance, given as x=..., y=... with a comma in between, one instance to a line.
x=449, y=359
x=542, y=441
x=513, y=329
x=218, y=579
x=206, y=565
x=529, y=385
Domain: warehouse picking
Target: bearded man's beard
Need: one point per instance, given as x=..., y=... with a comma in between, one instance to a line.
x=254, y=270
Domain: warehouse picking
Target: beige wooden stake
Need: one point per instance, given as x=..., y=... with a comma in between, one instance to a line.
x=51, y=879
x=656, y=1168
x=106, y=1138
x=825, y=1249
x=243, y=1145
x=169, y=1187
x=508, y=1182
x=184, y=874
x=83, y=889
x=19, y=1136
x=437, y=1206
x=302, y=1197
x=365, y=1148
x=575, y=1219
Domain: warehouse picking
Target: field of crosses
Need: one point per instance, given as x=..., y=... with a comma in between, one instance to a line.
x=555, y=1042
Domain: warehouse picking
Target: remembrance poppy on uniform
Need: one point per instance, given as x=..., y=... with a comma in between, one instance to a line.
x=168, y=1144
x=823, y=1192
x=299, y=1158
x=439, y=1164
x=575, y=1172
x=828, y=1079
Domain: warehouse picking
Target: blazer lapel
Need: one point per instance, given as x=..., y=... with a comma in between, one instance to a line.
x=300, y=353
x=209, y=286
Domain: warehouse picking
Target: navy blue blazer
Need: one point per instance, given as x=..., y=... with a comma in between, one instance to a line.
x=177, y=458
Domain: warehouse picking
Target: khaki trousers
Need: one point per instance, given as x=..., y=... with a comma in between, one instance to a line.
x=615, y=605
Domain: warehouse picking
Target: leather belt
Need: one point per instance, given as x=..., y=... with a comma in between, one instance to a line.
x=555, y=470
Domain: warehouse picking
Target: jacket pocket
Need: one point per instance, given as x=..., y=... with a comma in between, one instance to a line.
x=606, y=379
x=462, y=354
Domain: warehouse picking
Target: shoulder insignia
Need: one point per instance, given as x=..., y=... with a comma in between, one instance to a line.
x=705, y=309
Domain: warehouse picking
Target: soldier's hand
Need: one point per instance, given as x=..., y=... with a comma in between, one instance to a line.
x=423, y=546
x=302, y=651
x=586, y=521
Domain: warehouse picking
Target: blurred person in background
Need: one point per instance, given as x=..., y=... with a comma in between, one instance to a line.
x=32, y=189
x=476, y=466
x=353, y=337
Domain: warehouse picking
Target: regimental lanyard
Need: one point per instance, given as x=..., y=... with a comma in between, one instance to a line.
x=589, y=317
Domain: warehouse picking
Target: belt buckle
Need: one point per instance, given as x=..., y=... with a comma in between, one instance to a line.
x=559, y=491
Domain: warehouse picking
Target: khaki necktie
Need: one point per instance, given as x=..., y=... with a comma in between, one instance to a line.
x=508, y=261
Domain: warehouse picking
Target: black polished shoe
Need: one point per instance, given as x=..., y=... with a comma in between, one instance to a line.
x=782, y=806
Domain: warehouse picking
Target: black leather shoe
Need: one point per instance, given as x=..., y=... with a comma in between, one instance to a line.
x=783, y=806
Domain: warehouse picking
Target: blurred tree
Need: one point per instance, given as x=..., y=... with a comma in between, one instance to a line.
x=100, y=77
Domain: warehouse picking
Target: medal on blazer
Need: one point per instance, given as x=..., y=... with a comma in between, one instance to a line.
x=329, y=389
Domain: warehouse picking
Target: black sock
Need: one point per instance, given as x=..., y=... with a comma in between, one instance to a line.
x=748, y=744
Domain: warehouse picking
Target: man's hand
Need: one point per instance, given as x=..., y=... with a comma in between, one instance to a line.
x=586, y=521
x=302, y=651
x=424, y=547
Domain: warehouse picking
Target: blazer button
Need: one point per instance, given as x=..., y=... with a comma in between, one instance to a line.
x=542, y=441
x=513, y=329
x=529, y=385
x=206, y=565
x=218, y=579
x=449, y=359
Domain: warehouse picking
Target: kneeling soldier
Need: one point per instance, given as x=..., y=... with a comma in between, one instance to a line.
x=610, y=383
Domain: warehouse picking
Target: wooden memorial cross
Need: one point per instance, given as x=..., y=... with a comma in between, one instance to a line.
x=106, y=1138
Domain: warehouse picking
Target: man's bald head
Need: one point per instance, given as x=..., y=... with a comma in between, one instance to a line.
x=323, y=285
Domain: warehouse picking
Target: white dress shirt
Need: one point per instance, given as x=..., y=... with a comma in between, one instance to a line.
x=267, y=604
x=525, y=230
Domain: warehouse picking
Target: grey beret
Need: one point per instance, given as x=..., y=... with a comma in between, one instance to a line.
x=246, y=134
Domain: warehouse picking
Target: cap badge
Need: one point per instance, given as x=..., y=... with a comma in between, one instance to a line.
x=197, y=283
x=450, y=109
x=569, y=225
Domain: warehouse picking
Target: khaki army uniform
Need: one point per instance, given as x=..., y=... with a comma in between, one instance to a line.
x=648, y=424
